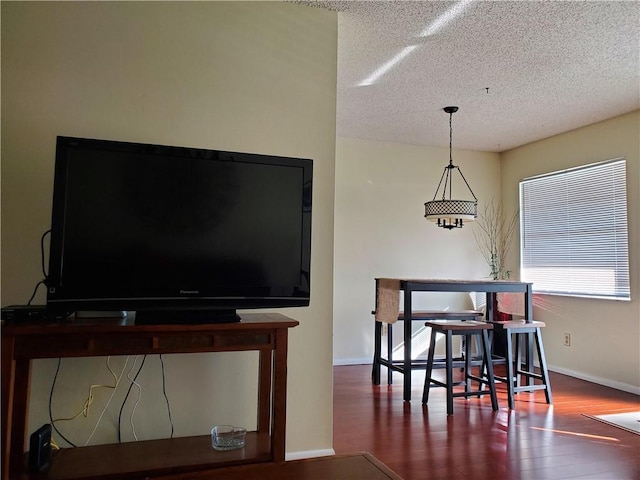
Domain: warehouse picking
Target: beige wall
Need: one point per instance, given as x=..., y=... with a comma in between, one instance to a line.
x=240, y=76
x=380, y=231
x=604, y=333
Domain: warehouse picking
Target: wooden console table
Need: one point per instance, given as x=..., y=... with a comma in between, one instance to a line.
x=357, y=466
x=490, y=287
x=265, y=333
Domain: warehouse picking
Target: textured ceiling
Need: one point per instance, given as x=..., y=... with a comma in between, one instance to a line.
x=549, y=67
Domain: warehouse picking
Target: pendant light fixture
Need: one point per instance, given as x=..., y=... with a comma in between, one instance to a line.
x=449, y=213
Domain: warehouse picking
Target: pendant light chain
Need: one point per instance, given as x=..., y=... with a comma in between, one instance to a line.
x=450, y=213
x=450, y=168
x=451, y=138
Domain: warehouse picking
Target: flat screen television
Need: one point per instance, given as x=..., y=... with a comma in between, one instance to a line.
x=177, y=234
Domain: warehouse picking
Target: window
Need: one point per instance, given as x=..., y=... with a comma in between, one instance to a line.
x=573, y=237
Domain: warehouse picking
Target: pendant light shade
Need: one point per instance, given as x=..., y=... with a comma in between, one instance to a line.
x=447, y=212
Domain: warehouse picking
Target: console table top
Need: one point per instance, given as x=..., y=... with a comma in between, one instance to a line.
x=249, y=321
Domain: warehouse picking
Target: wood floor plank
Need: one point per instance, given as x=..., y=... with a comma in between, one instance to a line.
x=535, y=441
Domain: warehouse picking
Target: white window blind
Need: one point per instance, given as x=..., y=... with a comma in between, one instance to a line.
x=574, y=237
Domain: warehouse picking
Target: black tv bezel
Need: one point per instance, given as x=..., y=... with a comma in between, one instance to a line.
x=218, y=299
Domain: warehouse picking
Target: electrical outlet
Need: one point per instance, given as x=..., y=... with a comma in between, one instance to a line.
x=567, y=340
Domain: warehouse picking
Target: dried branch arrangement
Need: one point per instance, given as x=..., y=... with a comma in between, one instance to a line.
x=493, y=231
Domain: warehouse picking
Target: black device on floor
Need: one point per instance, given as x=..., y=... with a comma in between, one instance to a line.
x=40, y=449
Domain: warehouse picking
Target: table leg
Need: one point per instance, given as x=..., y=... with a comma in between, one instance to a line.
x=390, y=353
x=489, y=307
x=407, y=345
x=8, y=378
x=377, y=352
x=18, y=421
x=528, y=303
x=278, y=421
x=264, y=391
x=528, y=349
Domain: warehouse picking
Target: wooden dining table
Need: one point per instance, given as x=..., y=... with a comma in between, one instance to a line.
x=409, y=287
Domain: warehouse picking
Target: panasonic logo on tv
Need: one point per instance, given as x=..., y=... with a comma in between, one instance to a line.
x=189, y=292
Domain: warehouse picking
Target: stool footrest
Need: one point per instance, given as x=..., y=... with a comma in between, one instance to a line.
x=524, y=373
x=470, y=393
x=480, y=380
x=529, y=388
x=442, y=384
x=417, y=364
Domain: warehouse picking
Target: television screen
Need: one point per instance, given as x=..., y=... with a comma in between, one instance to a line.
x=158, y=228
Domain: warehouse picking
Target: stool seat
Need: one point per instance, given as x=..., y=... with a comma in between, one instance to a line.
x=467, y=329
x=523, y=330
x=444, y=325
x=519, y=324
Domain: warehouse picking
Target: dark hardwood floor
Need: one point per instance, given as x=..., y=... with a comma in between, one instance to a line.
x=535, y=441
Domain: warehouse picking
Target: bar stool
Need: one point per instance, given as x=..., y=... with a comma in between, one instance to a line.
x=422, y=315
x=467, y=329
x=522, y=331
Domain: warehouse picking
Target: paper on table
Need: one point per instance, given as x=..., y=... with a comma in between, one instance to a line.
x=388, y=300
x=512, y=303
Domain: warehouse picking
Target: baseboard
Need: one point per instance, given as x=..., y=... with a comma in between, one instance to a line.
x=351, y=361
x=625, y=387
x=309, y=454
